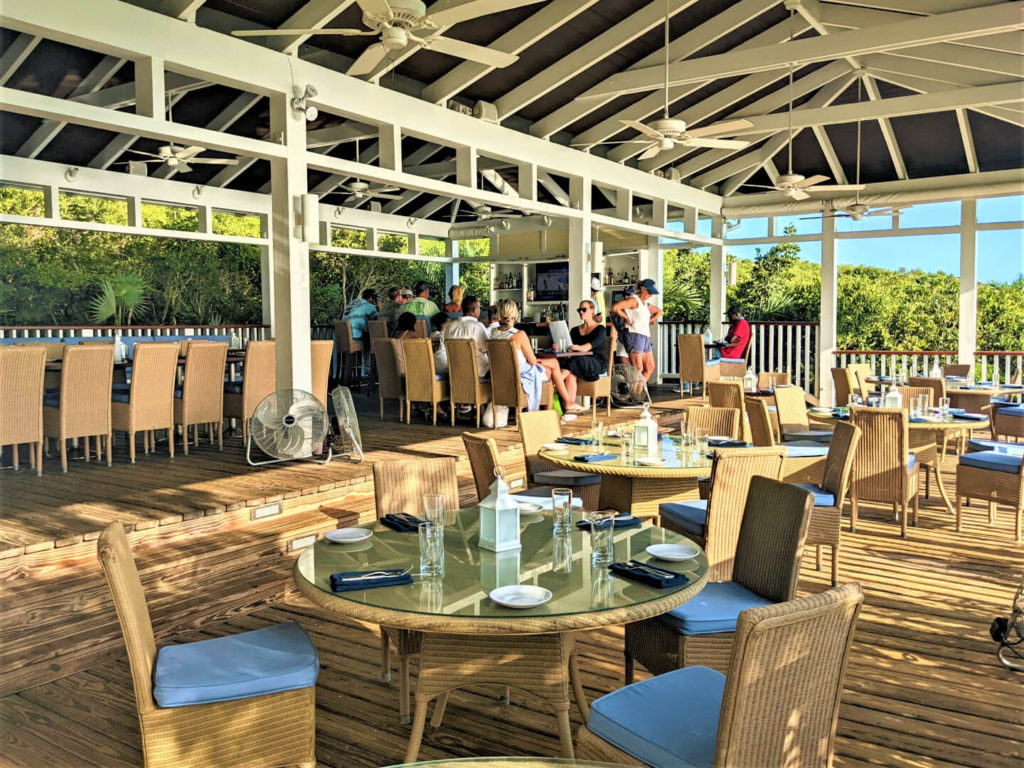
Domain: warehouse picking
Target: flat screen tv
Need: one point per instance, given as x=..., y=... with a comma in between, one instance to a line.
x=553, y=281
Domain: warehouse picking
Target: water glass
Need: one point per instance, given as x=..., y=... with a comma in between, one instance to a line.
x=431, y=594
x=433, y=508
x=561, y=556
x=854, y=399
x=602, y=542
x=701, y=437
x=431, y=549
x=944, y=409
x=627, y=453
x=601, y=590
x=599, y=437
x=561, y=511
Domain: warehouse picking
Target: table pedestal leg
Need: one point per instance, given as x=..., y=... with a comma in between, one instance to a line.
x=536, y=664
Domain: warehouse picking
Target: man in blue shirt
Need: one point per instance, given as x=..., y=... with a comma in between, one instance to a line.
x=361, y=311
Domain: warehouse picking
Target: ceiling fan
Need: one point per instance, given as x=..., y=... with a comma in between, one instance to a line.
x=482, y=212
x=181, y=159
x=360, y=191
x=401, y=22
x=668, y=133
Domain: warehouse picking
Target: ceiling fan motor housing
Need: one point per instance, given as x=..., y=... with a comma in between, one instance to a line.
x=789, y=179
x=669, y=127
x=404, y=13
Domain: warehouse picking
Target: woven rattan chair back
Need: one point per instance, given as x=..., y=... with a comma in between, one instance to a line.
x=343, y=335
x=202, y=394
x=535, y=429
x=860, y=373
x=321, y=353
x=22, y=372
x=845, y=385
x=937, y=386
x=909, y=393
x=692, y=362
x=731, y=474
x=772, y=379
x=422, y=328
x=463, y=371
x=761, y=433
x=86, y=379
x=771, y=538
x=729, y=394
x=722, y=422
x=957, y=369
x=792, y=410
x=154, y=370
x=54, y=350
x=882, y=454
x=389, y=380
x=781, y=700
x=505, y=386
x=378, y=329
x=115, y=557
x=419, y=370
x=259, y=375
x=482, y=453
x=839, y=463
x=398, y=486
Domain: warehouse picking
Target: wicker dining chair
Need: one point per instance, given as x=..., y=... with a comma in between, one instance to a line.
x=830, y=494
x=149, y=403
x=506, y=386
x=845, y=384
x=860, y=373
x=54, y=352
x=82, y=407
x=1007, y=421
x=467, y=386
x=350, y=353
x=884, y=469
x=994, y=476
x=603, y=386
x=694, y=367
x=259, y=379
x=377, y=329
x=957, y=369
x=321, y=354
x=777, y=706
x=200, y=400
x=482, y=452
x=249, y=730
x=770, y=520
x=537, y=428
x=721, y=422
x=772, y=379
x=422, y=383
x=792, y=411
x=389, y=380
x=938, y=389
x=398, y=486
x=729, y=394
x=22, y=371
x=761, y=433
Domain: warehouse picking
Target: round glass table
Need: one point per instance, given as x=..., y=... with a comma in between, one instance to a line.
x=509, y=762
x=465, y=638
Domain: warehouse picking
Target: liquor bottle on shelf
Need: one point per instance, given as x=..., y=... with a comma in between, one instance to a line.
x=610, y=279
x=531, y=294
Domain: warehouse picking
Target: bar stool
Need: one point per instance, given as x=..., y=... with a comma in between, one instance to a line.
x=350, y=354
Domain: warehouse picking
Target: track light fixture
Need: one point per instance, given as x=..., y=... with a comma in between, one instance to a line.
x=71, y=173
x=300, y=103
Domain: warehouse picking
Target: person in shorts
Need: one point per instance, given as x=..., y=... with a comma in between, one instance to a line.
x=638, y=315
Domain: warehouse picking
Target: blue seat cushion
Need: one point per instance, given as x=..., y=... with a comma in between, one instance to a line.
x=121, y=387
x=178, y=392
x=715, y=609
x=816, y=435
x=1013, y=410
x=51, y=399
x=716, y=361
x=822, y=498
x=805, y=448
x=734, y=360
x=993, y=460
x=668, y=721
x=1015, y=449
x=233, y=387
x=911, y=460
x=270, y=660
x=691, y=516
x=121, y=397
x=565, y=478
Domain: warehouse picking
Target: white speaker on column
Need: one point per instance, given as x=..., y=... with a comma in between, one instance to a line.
x=311, y=218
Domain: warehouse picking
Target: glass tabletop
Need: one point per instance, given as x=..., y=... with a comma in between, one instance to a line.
x=932, y=421
x=561, y=565
x=511, y=762
x=672, y=454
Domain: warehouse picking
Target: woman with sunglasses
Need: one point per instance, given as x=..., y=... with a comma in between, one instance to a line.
x=588, y=336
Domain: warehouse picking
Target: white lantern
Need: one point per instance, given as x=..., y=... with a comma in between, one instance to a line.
x=499, y=517
x=645, y=433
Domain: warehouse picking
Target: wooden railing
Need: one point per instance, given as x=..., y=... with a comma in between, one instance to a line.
x=247, y=333
x=917, y=363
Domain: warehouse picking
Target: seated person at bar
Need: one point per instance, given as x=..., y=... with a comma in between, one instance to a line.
x=422, y=306
x=361, y=311
x=438, y=324
x=737, y=337
x=405, y=328
x=588, y=336
x=393, y=307
x=532, y=372
x=455, y=303
x=469, y=327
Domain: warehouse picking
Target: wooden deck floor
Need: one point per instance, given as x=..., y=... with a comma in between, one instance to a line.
x=923, y=689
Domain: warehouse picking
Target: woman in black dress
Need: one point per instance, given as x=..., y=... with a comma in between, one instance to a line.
x=588, y=336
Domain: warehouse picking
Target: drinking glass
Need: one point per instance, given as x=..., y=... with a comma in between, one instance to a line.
x=701, y=438
x=854, y=399
x=627, y=453
x=561, y=556
x=944, y=409
x=431, y=549
x=431, y=594
x=599, y=437
x=561, y=510
x=601, y=590
x=433, y=508
x=602, y=543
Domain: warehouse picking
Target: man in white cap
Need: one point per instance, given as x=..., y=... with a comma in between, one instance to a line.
x=597, y=294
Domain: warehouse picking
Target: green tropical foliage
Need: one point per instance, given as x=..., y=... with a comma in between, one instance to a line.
x=120, y=297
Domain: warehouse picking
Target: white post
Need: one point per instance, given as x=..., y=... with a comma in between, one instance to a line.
x=717, y=283
x=266, y=278
x=828, y=325
x=967, y=336
x=579, y=241
x=451, y=269
x=289, y=254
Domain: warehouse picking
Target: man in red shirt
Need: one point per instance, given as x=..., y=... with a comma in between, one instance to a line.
x=738, y=336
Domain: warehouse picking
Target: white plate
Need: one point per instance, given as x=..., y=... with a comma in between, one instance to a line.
x=529, y=509
x=348, y=535
x=719, y=438
x=649, y=461
x=520, y=596
x=555, y=447
x=820, y=409
x=673, y=552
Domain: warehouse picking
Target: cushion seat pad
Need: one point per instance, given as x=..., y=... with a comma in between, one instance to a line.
x=1015, y=410
x=993, y=460
x=822, y=498
x=816, y=435
x=565, y=478
x=1014, y=449
x=715, y=609
x=691, y=516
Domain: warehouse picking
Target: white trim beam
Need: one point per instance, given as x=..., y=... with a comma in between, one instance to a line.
x=121, y=96
x=968, y=140
x=334, y=135
x=888, y=134
x=178, y=9
x=314, y=14
x=15, y=54
x=117, y=145
x=943, y=28
x=222, y=121
x=1008, y=112
x=948, y=72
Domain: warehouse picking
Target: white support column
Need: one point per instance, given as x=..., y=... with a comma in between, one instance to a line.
x=451, y=269
x=389, y=145
x=149, y=88
x=528, y=181
x=829, y=300
x=649, y=265
x=717, y=282
x=579, y=240
x=967, y=336
x=289, y=254
x=465, y=166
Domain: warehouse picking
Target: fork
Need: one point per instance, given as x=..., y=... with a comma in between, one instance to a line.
x=653, y=570
x=378, y=575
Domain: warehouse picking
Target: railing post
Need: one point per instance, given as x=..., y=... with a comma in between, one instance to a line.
x=967, y=334
x=829, y=289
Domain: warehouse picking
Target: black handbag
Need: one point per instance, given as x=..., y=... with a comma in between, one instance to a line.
x=1009, y=652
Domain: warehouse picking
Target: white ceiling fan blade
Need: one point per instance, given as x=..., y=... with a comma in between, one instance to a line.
x=293, y=32
x=716, y=143
x=188, y=152
x=448, y=12
x=726, y=126
x=763, y=186
x=385, y=196
x=387, y=188
x=368, y=60
x=834, y=187
x=161, y=158
x=378, y=8
x=795, y=193
x=646, y=130
x=812, y=181
x=477, y=53
x=183, y=168
x=214, y=160
x=650, y=152
x=880, y=212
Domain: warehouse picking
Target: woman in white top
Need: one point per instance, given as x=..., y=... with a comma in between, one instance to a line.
x=639, y=315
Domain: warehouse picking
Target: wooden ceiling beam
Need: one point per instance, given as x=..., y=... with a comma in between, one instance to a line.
x=967, y=138
x=15, y=54
x=314, y=14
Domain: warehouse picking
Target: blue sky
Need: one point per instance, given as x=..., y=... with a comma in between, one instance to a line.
x=1000, y=252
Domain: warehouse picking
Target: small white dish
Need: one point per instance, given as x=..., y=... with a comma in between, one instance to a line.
x=529, y=509
x=348, y=535
x=719, y=438
x=520, y=596
x=820, y=409
x=555, y=447
x=675, y=553
x=650, y=461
